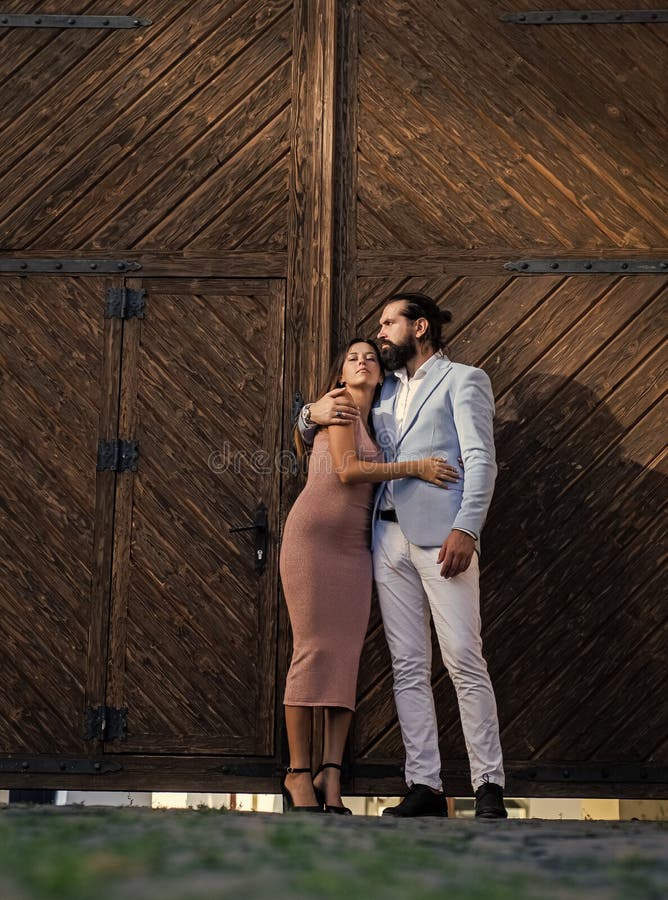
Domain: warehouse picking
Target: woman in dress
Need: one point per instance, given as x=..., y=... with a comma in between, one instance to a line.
x=326, y=572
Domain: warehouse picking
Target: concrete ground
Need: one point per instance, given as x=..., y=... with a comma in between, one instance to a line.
x=78, y=853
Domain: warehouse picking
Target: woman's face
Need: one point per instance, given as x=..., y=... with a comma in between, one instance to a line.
x=361, y=366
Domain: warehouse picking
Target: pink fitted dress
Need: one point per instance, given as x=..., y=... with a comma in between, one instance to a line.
x=326, y=572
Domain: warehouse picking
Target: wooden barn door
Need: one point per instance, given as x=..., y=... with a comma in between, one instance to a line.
x=193, y=623
x=144, y=640
x=59, y=383
x=135, y=619
x=475, y=142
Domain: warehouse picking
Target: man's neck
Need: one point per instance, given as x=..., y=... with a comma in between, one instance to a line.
x=418, y=360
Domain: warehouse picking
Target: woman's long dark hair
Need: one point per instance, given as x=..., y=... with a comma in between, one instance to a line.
x=331, y=382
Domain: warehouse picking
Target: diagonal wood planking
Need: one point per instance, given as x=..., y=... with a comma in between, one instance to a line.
x=51, y=363
x=482, y=139
x=189, y=589
x=146, y=139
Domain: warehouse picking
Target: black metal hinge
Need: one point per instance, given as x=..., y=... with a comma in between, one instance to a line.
x=47, y=765
x=592, y=773
x=117, y=455
x=66, y=266
x=64, y=21
x=587, y=17
x=105, y=723
x=125, y=303
x=589, y=266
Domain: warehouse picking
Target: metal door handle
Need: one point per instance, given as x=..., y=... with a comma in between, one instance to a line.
x=261, y=529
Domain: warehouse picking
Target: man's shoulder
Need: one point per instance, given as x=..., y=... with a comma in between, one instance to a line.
x=462, y=372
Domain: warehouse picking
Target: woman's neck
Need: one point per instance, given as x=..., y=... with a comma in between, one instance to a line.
x=363, y=398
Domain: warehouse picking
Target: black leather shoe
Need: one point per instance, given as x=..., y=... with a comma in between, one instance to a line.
x=489, y=802
x=420, y=801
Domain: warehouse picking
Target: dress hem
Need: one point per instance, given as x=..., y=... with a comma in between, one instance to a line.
x=319, y=703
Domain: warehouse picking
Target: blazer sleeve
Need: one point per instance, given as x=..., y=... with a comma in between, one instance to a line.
x=473, y=407
x=308, y=434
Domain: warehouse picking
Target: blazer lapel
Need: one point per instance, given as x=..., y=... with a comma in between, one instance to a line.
x=431, y=381
x=383, y=413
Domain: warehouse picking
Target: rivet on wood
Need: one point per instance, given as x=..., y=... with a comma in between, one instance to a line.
x=121, y=266
x=93, y=266
x=59, y=265
x=624, y=266
x=524, y=265
x=587, y=265
x=71, y=21
x=566, y=773
x=38, y=21
x=554, y=265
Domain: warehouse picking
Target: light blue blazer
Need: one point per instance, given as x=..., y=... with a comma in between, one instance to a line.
x=451, y=415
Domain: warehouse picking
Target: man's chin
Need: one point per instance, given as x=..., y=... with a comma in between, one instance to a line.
x=390, y=361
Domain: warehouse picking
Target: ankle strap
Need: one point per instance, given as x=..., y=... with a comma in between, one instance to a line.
x=330, y=766
x=292, y=771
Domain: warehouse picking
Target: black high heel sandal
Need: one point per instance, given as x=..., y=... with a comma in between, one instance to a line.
x=288, y=802
x=320, y=794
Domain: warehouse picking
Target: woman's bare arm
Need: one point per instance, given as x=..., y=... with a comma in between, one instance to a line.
x=353, y=470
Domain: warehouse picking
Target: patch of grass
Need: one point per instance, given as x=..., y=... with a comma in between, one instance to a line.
x=199, y=854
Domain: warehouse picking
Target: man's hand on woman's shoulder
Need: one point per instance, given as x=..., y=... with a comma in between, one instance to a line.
x=335, y=408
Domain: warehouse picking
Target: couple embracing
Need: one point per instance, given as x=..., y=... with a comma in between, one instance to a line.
x=402, y=459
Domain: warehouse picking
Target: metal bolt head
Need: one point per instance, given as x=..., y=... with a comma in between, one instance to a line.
x=587, y=265
x=554, y=265
x=38, y=21
x=97, y=766
x=25, y=766
x=63, y=767
x=121, y=266
x=105, y=22
x=71, y=21
x=93, y=266
x=59, y=265
x=624, y=266
x=24, y=265
x=524, y=265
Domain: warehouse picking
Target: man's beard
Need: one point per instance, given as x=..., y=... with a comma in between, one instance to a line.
x=395, y=356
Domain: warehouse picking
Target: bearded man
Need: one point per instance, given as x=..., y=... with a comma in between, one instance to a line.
x=426, y=544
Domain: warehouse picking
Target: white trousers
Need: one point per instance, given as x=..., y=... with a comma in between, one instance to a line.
x=410, y=589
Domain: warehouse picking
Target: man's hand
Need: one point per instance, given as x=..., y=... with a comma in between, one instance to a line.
x=456, y=553
x=334, y=409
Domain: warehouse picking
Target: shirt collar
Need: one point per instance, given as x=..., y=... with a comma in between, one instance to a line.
x=402, y=374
